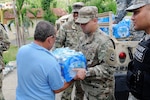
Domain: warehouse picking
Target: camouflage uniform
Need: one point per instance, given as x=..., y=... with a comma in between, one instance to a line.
x=98, y=49
x=68, y=36
x=4, y=45
x=122, y=5
x=100, y=84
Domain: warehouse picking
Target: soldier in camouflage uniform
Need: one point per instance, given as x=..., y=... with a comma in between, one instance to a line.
x=4, y=45
x=122, y=5
x=68, y=36
x=100, y=55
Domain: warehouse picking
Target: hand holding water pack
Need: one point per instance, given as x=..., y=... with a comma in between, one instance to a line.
x=70, y=60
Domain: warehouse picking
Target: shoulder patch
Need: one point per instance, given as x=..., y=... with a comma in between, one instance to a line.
x=111, y=57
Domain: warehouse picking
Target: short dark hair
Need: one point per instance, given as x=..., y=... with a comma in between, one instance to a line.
x=43, y=30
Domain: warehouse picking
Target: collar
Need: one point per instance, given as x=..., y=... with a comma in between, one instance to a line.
x=36, y=46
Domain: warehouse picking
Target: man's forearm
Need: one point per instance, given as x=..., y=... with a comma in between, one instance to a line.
x=66, y=85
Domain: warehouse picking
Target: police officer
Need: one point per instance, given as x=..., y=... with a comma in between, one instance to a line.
x=100, y=56
x=139, y=69
x=122, y=5
x=4, y=45
x=68, y=36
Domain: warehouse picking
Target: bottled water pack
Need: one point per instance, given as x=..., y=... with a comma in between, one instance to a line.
x=120, y=30
x=68, y=60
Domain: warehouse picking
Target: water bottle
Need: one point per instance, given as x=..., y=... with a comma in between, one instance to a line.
x=123, y=31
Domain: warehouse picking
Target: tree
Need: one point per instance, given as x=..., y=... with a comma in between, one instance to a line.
x=103, y=5
x=33, y=3
x=34, y=13
x=22, y=22
x=16, y=14
x=48, y=14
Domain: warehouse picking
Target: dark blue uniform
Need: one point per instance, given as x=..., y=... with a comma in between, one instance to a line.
x=138, y=75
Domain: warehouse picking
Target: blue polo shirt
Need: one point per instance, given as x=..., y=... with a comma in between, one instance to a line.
x=38, y=73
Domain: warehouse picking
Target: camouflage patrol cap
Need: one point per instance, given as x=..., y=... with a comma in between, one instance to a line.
x=76, y=6
x=86, y=14
x=137, y=4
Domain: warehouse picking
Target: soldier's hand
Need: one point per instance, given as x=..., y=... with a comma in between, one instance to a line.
x=81, y=73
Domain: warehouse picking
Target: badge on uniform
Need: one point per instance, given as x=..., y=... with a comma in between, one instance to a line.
x=111, y=57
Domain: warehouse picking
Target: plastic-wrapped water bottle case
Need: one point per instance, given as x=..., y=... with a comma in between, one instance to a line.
x=68, y=60
x=120, y=30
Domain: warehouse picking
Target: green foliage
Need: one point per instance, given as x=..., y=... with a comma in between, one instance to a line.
x=48, y=14
x=54, y=4
x=53, y=18
x=33, y=3
x=10, y=55
x=27, y=22
x=23, y=19
x=111, y=4
x=30, y=38
x=103, y=5
x=81, y=1
x=69, y=8
x=19, y=4
x=46, y=4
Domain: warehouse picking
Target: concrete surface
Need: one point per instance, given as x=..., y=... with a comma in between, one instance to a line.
x=9, y=85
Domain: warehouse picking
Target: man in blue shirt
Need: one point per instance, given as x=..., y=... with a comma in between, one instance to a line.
x=39, y=74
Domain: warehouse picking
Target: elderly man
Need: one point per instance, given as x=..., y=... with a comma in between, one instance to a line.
x=39, y=74
x=99, y=52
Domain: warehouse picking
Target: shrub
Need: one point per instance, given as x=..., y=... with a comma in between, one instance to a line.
x=10, y=54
